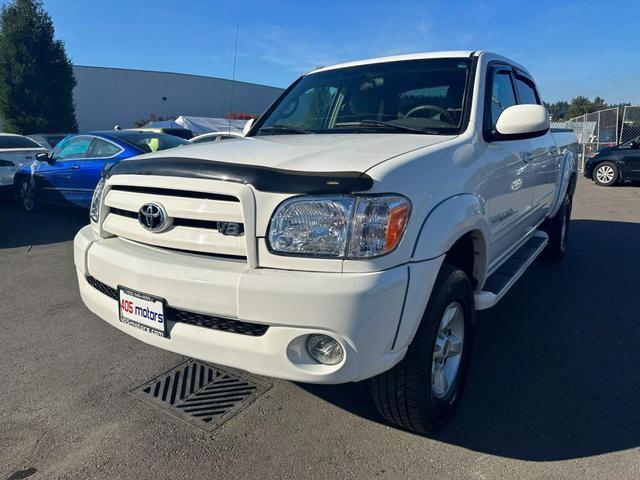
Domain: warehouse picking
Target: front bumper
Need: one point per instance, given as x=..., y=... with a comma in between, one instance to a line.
x=361, y=310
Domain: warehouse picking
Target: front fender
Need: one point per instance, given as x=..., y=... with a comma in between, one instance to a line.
x=447, y=222
x=566, y=180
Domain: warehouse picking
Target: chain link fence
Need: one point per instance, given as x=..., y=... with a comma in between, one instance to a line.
x=594, y=131
x=630, y=123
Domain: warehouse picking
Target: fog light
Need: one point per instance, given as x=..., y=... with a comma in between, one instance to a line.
x=325, y=349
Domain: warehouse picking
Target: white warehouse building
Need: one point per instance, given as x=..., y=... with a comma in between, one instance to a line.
x=105, y=97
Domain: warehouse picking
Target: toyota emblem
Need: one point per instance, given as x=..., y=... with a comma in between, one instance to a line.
x=153, y=217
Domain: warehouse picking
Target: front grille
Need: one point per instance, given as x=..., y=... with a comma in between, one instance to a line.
x=192, y=318
x=177, y=222
x=199, y=222
x=175, y=193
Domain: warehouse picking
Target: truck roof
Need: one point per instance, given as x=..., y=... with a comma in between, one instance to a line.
x=419, y=56
x=399, y=58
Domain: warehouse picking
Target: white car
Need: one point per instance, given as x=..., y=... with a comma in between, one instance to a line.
x=353, y=234
x=215, y=137
x=15, y=151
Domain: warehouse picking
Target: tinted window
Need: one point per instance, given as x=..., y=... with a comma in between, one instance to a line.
x=17, y=141
x=103, y=149
x=502, y=96
x=75, y=147
x=526, y=91
x=152, y=142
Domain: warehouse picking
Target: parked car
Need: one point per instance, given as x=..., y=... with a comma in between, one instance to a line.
x=48, y=140
x=15, y=151
x=177, y=132
x=613, y=165
x=68, y=174
x=370, y=212
x=215, y=137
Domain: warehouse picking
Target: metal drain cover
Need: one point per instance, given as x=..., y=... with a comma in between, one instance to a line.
x=203, y=395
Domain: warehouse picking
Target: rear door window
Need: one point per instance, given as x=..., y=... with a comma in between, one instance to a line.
x=103, y=149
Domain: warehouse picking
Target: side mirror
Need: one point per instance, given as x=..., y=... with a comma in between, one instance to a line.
x=522, y=121
x=247, y=127
x=44, y=157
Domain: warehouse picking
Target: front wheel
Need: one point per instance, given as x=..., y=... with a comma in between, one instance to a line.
x=423, y=390
x=558, y=229
x=606, y=174
x=26, y=195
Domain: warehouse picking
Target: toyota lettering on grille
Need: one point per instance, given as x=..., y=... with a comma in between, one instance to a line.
x=153, y=217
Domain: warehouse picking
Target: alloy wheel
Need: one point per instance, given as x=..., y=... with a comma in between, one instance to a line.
x=447, y=352
x=605, y=174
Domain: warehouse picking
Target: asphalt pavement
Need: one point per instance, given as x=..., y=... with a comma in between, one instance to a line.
x=553, y=391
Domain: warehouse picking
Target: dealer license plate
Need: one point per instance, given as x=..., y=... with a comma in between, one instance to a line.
x=142, y=311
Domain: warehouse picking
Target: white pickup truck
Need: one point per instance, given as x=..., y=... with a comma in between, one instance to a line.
x=353, y=233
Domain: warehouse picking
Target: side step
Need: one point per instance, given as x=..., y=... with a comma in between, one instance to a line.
x=510, y=271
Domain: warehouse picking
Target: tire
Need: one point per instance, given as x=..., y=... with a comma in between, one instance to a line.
x=557, y=228
x=406, y=395
x=26, y=195
x=606, y=174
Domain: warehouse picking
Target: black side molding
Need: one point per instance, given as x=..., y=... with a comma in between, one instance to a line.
x=262, y=178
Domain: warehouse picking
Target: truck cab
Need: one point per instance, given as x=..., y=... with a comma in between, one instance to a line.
x=351, y=235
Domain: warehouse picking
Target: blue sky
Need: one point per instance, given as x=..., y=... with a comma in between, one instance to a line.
x=572, y=48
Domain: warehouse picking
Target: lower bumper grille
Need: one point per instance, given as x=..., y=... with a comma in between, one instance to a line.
x=192, y=318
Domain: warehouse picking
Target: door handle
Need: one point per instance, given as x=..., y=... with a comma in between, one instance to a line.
x=553, y=150
x=526, y=156
x=76, y=167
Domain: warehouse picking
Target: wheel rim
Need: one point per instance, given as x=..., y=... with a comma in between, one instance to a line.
x=447, y=352
x=605, y=174
x=26, y=196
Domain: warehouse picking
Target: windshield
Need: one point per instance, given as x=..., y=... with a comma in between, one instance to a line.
x=417, y=96
x=151, y=141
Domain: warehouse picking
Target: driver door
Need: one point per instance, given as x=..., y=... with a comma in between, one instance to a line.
x=53, y=179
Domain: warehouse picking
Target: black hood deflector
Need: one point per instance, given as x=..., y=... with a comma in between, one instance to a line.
x=262, y=178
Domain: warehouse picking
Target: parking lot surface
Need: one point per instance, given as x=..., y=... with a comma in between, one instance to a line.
x=553, y=391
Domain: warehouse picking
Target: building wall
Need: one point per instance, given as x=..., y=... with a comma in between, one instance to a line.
x=105, y=97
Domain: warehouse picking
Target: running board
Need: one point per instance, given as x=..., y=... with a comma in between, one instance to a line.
x=510, y=271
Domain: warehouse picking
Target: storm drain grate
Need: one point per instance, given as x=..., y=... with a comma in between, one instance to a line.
x=203, y=395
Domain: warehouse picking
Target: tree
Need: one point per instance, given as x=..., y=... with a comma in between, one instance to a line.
x=36, y=77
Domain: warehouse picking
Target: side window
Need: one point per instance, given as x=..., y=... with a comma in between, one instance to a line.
x=502, y=95
x=526, y=91
x=76, y=147
x=103, y=149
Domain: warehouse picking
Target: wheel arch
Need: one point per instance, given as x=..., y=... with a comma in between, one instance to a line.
x=463, y=243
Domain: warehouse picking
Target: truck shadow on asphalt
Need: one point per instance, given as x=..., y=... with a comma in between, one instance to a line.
x=44, y=226
x=555, y=371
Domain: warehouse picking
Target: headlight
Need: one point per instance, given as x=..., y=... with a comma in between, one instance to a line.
x=96, y=202
x=339, y=227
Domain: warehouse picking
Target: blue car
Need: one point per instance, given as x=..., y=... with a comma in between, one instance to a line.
x=69, y=173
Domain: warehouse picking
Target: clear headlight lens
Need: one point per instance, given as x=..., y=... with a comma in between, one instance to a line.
x=339, y=227
x=96, y=202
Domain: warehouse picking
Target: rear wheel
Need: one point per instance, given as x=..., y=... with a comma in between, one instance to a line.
x=26, y=195
x=606, y=174
x=422, y=392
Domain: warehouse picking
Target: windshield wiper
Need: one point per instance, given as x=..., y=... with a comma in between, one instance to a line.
x=380, y=123
x=283, y=128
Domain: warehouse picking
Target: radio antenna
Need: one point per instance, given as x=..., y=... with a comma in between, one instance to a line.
x=233, y=78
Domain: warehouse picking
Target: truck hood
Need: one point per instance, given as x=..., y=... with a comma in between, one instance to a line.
x=307, y=153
